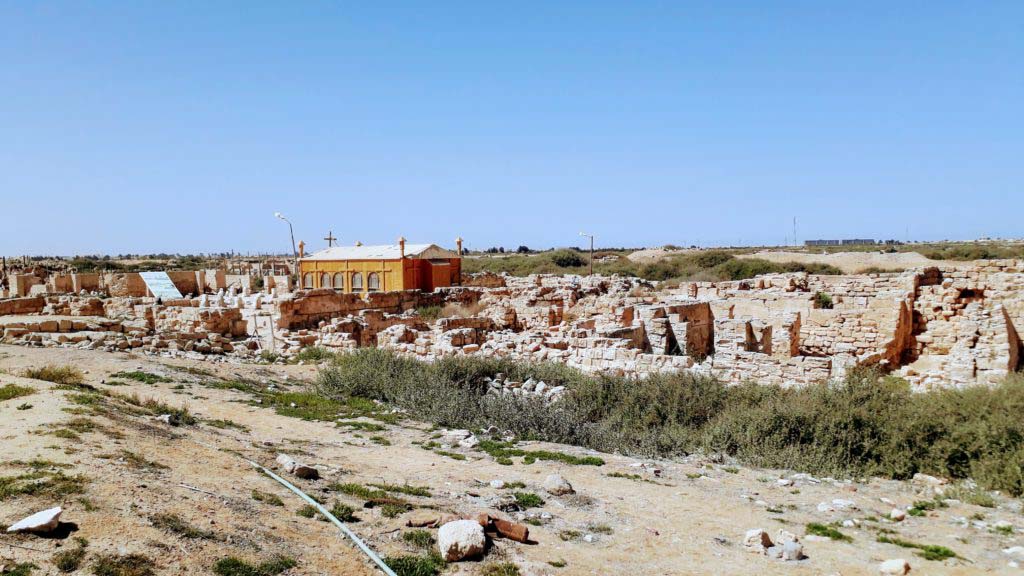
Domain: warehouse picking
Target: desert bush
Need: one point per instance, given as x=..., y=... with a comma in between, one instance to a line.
x=66, y=375
x=866, y=424
x=566, y=259
x=11, y=391
x=823, y=301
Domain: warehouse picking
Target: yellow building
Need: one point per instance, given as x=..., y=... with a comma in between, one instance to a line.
x=381, y=268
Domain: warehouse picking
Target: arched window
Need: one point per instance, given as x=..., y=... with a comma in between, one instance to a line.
x=373, y=282
x=339, y=281
x=325, y=280
x=307, y=280
x=357, y=282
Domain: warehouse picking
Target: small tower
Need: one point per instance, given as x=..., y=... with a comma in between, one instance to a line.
x=458, y=246
x=302, y=248
x=401, y=246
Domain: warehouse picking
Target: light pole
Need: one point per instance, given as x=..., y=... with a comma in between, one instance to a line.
x=591, y=236
x=291, y=232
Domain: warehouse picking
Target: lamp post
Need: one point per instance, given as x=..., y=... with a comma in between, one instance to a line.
x=291, y=232
x=591, y=236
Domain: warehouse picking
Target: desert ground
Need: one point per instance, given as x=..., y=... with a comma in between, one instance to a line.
x=627, y=516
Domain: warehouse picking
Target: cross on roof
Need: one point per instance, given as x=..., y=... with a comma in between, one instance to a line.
x=330, y=239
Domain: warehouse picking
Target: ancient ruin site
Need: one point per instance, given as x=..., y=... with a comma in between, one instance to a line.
x=511, y=289
x=936, y=326
x=153, y=414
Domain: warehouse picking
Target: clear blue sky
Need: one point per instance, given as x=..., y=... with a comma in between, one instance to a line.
x=182, y=126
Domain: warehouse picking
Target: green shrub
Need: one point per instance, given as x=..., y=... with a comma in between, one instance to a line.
x=827, y=531
x=344, y=512
x=566, y=259
x=140, y=376
x=419, y=538
x=822, y=301
x=313, y=355
x=926, y=551
x=11, y=391
x=864, y=425
x=429, y=565
x=527, y=500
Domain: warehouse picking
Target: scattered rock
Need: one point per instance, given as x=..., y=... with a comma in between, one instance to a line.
x=460, y=540
x=757, y=541
x=40, y=522
x=897, y=515
x=926, y=480
x=293, y=467
x=557, y=486
x=896, y=566
x=792, y=551
x=497, y=484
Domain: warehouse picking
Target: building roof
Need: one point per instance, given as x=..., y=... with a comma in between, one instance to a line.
x=382, y=252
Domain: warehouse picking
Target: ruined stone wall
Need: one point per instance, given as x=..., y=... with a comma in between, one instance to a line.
x=306, y=309
x=89, y=282
x=20, y=306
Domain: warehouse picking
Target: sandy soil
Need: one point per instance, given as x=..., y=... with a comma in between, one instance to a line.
x=852, y=262
x=689, y=518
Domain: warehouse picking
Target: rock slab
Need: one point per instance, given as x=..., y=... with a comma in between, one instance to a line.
x=40, y=522
x=461, y=540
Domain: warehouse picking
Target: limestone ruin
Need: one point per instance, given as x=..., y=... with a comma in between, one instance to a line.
x=935, y=326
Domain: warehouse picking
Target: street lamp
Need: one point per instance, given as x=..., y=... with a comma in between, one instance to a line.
x=591, y=236
x=291, y=232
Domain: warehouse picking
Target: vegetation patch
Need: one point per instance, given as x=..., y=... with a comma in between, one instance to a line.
x=70, y=560
x=527, y=500
x=429, y=565
x=313, y=355
x=180, y=414
x=419, y=538
x=20, y=569
x=42, y=483
x=501, y=569
x=507, y=449
x=140, y=376
x=232, y=566
x=11, y=391
x=267, y=498
x=126, y=565
x=177, y=525
x=865, y=425
x=406, y=489
x=225, y=424
x=827, y=532
x=67, y=375
x=307, y=511
x=344, y=512
x=926, y=551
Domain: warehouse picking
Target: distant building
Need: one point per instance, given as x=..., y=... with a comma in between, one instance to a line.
x=848, y=242
x=362, y=269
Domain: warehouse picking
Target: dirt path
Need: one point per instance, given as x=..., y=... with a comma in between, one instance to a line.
x=688, y=518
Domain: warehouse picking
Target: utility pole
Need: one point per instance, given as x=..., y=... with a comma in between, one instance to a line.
x=291, y=231
x=794, y=232
x=591, y=236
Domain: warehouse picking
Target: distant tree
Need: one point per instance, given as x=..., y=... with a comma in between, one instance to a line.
x=523, y=250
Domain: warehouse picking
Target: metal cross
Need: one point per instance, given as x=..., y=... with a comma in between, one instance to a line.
x=330, y=239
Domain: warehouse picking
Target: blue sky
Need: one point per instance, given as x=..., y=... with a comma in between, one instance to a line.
x=182, y=126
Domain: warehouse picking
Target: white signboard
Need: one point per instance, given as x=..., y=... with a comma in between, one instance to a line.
x=160, y=285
